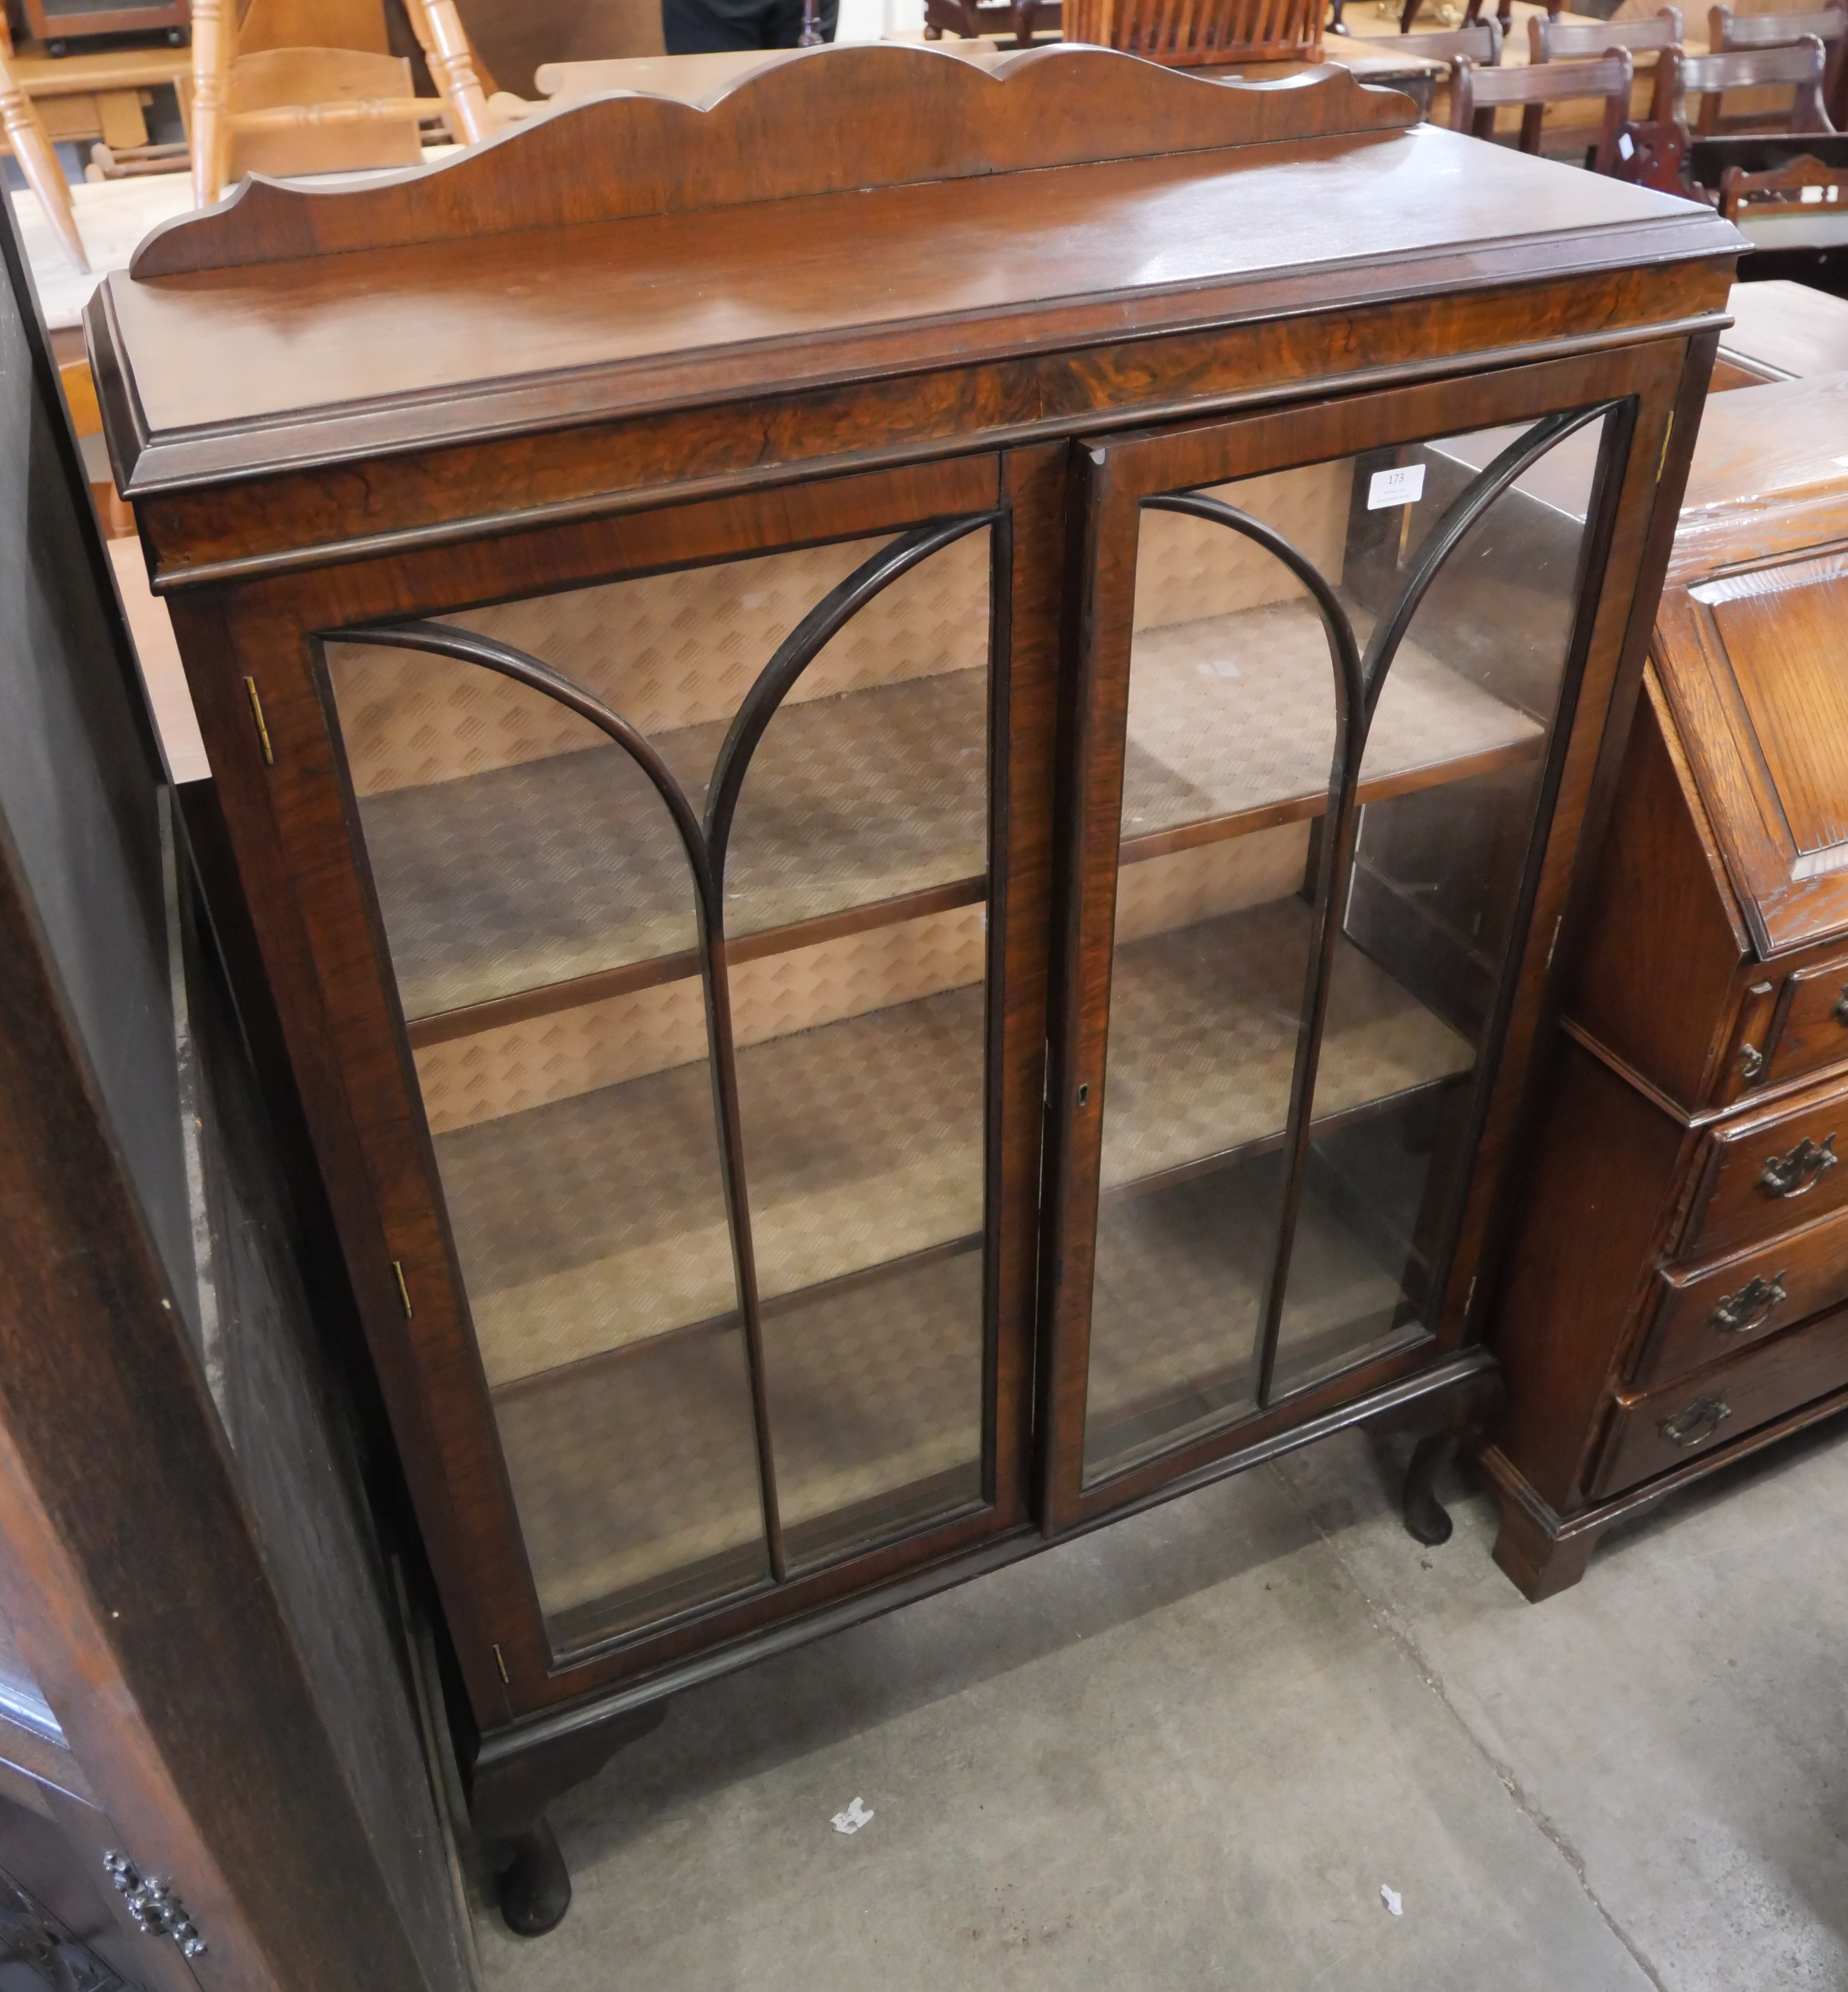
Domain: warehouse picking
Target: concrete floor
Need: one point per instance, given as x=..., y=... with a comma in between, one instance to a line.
x=1187, y=1751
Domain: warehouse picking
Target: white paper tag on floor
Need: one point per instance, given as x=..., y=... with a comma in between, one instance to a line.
x=1395, y=1901
x=858, y=1814
x=1402, y=487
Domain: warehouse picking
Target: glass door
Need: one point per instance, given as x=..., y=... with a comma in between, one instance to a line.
x=1321, y=709
x=684, y=879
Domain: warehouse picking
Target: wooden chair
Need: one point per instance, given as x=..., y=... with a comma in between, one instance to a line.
x=1193, y=34
x=314, y=103
x=1800, y=65
x=1803, y=187
x=1013, y=23
x=1552, y=40
x=1727, y=31
x=1480, y=43
x=38, y=158
x=1478, y=93
x=1661, y=154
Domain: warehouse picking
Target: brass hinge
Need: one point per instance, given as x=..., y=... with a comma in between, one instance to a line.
x=404, y=1290
x=1662, y=461
x=500, y=1661
x=263, y=731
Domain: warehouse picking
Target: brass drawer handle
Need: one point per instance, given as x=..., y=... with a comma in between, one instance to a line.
x=1840, y=1012
x=1751, y=1306
x=1697, y=1424
x=1800, y=1170
x=1752, y=1060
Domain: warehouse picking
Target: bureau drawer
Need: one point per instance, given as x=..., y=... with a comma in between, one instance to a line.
x=1664, y=1429
x=1705, y=1313
x=1809, y=1027
x=1767, y=1173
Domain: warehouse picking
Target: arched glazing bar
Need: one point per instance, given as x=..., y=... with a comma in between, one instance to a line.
x=705, y=843
x=797, y=651
x=1359, y=679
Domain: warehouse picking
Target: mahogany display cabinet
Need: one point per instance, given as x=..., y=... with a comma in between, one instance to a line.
x=1677, y=1296
x=906, y=753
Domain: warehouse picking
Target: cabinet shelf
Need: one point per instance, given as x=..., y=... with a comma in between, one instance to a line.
x=874, y=1390
x=557, y=882
x=1174, y=1335
x=561, y=881
x=1217, y=748
x=1203, y=1025
x=598, y=1220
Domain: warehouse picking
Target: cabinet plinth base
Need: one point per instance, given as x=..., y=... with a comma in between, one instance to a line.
x=1543, y=1553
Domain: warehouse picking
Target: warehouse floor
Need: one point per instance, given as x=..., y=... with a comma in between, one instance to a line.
x=1189, y=1751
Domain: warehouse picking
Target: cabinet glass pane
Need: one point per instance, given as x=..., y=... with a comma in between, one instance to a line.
x=541, y=910
x=1435, y=885
x=1232, y=731
x=860, y=1069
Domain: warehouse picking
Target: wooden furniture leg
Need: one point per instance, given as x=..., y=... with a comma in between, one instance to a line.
x=1443, y=1423
x=452, y=63
x=1542, y=1554
x=1426, y=1517
x=531, y=1882
x=211, y=134
x=1540, y=1563
x=39, y=162
x=514, y=1780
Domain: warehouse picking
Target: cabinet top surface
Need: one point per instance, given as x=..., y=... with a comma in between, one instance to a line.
x=1788, y=328
x=452, y=280
x=1752, y=645
x=1763, y=451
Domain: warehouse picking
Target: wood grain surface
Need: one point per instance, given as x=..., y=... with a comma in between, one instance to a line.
x=1797, y=1276
x=523, y=386
x=240, y=344
x=1787, y=330
x=890, y=114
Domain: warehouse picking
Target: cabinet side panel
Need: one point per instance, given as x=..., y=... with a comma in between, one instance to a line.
x=276, y=1376
x=1604, y=1170
x=1656, y=971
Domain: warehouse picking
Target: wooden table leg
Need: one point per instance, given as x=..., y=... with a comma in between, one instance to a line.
x=39, y=164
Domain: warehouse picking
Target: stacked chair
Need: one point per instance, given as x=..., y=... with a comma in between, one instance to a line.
x=32, y=146
x=311, y=86
x=1803, y=57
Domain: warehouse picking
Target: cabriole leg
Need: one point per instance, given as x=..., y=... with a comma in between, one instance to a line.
x=513, y=1783
x=531, y=1881
x=1425, y=1515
